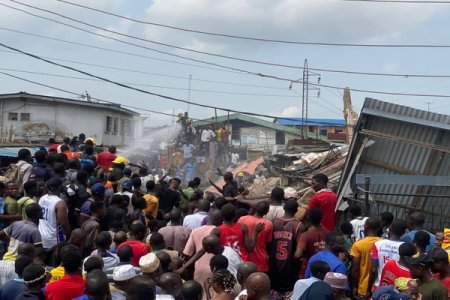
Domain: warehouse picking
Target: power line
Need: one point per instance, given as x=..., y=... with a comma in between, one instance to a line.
x=154, y=50
x=220, y=69
x=270, y=40
x=149, y=85
x=136, y=45
x=143, y=39
x=157, y=74
x=111, y=50
x=209, y=106
x=138, y=89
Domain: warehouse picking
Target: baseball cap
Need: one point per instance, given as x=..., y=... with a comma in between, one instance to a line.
x=149, y=263
x=336, y=280
x=127, y=184
x=125, y=272
x=290, y=193
x=98, y=189
x=121, y=160
x=423, y=260
x=389, y=293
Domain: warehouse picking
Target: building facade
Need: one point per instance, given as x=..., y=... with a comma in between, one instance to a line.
x=33, y=118
x=331, y=130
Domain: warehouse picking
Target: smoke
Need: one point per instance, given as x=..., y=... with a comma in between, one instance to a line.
x=145, y=150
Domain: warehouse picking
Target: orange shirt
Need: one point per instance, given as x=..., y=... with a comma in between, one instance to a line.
x=259, y=254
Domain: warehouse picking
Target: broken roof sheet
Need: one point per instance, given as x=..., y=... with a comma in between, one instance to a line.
x=408, y=141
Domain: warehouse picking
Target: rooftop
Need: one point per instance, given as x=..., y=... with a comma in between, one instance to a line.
x=247, y=119
x=109, y=106
x=309, y=122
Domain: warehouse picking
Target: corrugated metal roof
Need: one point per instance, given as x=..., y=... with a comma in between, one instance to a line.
x=310, y=122
x=248, y=119
x=408, y=141
x=108, y=106
x=13, y=151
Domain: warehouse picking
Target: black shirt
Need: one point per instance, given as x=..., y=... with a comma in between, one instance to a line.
x=168, y=200
x=230, y=190
x=114, y=214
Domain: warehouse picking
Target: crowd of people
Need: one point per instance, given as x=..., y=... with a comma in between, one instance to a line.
x=76, y=224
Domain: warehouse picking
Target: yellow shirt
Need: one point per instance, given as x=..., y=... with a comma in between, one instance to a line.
x=152, y=206
x=362, y=250
x=57, y=273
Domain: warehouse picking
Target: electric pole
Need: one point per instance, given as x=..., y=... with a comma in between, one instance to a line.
x=305, y=97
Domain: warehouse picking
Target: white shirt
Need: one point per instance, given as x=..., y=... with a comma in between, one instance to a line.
x=234, y=260
x=207, y=134
x=358, y=228
x=194, y=221
x=275, y=211
x=242, y=293
x=51, y=232
x=234, y=158
x=384, y=251
x=301, y=286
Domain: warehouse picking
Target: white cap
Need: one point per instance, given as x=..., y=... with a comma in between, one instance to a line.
x=149, y=263
x=125, y=272
x=290, y=193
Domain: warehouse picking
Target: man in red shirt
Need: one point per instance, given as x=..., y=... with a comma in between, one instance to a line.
x=137, y=232
x=325, y=199
x=105, y=159
x=393, y=269
x=312, y=240
x=260, y=235
x=232, y=234
x=72, y=284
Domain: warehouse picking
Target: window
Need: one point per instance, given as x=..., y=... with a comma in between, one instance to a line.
x=125, y=126
x=108, y=124
x=323, y=131
x=116, y=125
x=25, y=117
x=338, y=131
x=13, y=116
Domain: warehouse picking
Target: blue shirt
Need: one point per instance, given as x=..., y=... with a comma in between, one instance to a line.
x=336, y=265
x=11, y=289
x=409, y=237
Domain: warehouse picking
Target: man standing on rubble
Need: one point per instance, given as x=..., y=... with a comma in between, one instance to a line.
x=325, y=199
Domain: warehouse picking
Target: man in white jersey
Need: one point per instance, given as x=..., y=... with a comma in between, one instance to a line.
x=54, y=225
x=386, y=250
x=357, y=221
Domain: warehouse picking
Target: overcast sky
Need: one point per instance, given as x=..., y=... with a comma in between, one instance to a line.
x=329, y=21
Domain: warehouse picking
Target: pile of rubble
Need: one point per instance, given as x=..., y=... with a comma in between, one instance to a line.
x=295, y=170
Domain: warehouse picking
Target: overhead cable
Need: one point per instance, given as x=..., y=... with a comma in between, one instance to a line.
x=265, y=39
x=159, y=74
x=149, y=85
x=145, y=39
x=141, y=90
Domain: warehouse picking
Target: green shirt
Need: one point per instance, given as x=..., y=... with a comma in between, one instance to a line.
x=433, y=290
x=188, y=192
x=22, y=205
x=11, y=207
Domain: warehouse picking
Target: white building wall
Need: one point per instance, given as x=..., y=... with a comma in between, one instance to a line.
x=61, y=119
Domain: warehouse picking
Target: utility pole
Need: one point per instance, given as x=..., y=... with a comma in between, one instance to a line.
x=305, y=97
x=428, y=105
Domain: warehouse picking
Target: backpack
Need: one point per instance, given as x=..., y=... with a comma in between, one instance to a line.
x=12, y=174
